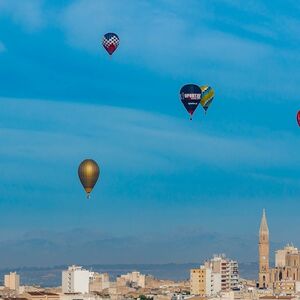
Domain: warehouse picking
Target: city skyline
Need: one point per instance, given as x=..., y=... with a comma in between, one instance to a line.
x=165, y=181
x=215, y=275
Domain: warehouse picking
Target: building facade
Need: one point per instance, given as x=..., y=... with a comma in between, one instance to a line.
x=287, y=264
x=201, y=281
x=133, y=279
x=216, y=275
x=12, y=281
x=228, y=270
x=76, y=280
x=286, y=287
x=286, y=274
x=99, y=282
x=234, y=277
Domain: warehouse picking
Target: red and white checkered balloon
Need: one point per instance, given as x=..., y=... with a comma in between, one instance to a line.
x=110, y=42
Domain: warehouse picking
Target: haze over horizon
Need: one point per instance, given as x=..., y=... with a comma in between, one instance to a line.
x=170, y=190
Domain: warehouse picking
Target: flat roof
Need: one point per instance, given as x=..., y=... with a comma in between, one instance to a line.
x=42, y=294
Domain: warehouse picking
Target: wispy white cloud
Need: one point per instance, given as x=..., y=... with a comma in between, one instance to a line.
x=160, y=38
x=176, y=41
x=29, y=14
x=126, y=137
x=269, y=23
x=194, y=41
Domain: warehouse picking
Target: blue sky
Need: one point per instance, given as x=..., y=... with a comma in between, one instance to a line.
x=163, y=178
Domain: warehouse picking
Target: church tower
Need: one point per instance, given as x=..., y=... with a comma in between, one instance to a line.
x=263, y=248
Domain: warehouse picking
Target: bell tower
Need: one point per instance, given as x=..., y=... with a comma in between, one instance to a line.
x=263, y=248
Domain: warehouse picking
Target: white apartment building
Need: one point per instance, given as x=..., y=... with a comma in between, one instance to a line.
x=76, y=280
x=216, y=283
x=12, y=281
x=234, y=276
x=228, y=269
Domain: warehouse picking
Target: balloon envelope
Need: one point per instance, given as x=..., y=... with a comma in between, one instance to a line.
x=88, y=172
x=190, y=95
x=110, y=42
x=298, y=117
x=207, y=96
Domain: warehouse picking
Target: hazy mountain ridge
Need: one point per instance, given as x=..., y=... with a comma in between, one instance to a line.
x=117, y=255
x=43, y=249
x=51, y=276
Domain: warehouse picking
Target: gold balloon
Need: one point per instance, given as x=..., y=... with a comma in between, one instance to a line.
x=88, y=172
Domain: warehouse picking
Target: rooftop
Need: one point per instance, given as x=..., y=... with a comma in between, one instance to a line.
x=41, y=294
x=277, y=297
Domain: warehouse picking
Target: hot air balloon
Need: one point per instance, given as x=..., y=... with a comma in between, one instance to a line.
x=207, y=96
x=190, y=95
x=298, y=118
x=110, y=42
x=88, y=172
